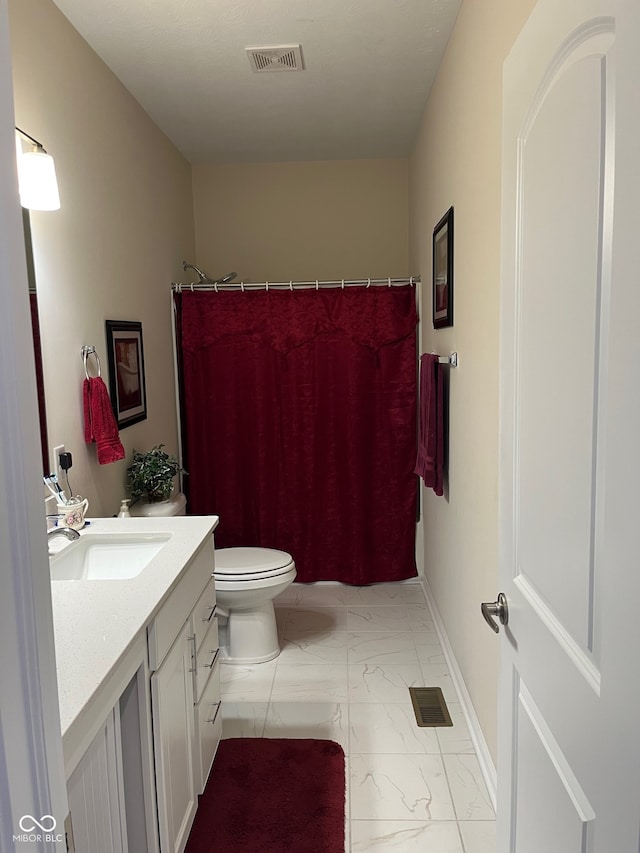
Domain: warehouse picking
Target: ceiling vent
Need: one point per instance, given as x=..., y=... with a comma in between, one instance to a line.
x=282, y=57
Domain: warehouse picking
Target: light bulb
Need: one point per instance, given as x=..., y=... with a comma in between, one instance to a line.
x=37, y=180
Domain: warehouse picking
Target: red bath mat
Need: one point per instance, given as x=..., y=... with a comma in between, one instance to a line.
x=272, y=796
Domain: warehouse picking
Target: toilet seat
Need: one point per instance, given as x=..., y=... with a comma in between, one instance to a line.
x=240, y=565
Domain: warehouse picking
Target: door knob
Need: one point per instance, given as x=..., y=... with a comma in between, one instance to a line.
x=496, y=608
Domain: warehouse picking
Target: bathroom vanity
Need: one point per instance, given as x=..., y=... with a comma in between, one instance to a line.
x=138, y=679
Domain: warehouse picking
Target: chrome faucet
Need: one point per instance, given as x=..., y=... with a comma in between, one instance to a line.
x=68, y=532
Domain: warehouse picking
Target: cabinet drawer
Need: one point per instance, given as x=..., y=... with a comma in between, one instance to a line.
x=178, y=606
x=209, y=725
x=204, y=612
x=206, y=658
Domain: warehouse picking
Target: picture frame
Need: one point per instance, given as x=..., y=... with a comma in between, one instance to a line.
x=443, y=271
x=127, y=384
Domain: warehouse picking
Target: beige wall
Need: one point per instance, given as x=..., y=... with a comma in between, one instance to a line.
x=456, y=161
x=283, y=221
x=112, y=250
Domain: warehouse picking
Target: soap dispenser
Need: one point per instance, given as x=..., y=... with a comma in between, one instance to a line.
x=124, y=510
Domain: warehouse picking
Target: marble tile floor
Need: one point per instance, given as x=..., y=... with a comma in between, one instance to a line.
x=349, y=655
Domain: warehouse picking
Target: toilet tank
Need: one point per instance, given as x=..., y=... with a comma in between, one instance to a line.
x=177, y=505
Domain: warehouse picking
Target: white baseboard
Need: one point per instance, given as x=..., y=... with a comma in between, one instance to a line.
x=477, y=737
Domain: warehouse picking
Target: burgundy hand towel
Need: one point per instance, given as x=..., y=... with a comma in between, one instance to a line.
x=99, y=422
x=430, y=461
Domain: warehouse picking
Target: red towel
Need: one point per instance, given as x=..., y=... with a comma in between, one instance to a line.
x=99, y=423
x=430, y=461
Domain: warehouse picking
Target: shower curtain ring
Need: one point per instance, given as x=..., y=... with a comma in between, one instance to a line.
x=389, y=282
x=242, y=286
x=291, y=286
x=368, y=282
x=215, y=286
x=266, y=286
x=343, y=284
x=317, y=285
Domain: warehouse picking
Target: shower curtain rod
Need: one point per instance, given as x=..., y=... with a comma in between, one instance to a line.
x=177, y=287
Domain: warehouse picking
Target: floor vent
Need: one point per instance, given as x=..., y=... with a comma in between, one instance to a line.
x=284, y=57
x=429, y=706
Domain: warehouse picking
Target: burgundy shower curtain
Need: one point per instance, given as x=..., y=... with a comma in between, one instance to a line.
x=299, y=424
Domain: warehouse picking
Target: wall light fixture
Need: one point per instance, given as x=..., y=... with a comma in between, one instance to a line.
x=36, y=176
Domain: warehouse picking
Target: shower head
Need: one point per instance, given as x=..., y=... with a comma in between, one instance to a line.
x=225, y=278
x=205, y=279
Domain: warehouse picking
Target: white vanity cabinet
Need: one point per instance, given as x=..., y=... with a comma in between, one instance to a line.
x=185, y=697
x=139, y=689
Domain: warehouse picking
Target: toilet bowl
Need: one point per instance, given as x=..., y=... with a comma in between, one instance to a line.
x=247, y=580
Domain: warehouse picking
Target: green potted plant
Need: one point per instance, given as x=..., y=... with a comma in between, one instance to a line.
x=150, y=476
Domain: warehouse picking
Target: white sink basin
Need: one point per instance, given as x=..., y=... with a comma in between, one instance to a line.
x=104, y=556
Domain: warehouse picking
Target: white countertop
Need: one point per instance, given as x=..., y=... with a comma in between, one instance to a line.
x=97, y=622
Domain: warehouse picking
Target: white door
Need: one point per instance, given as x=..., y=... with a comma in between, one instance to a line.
x=569, y=705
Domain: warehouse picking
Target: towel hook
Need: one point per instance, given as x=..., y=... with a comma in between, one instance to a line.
x=85, y=352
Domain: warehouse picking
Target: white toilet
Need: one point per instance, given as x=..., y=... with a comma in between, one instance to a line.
x=247, y=581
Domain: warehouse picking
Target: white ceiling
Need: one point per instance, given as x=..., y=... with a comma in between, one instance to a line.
x=369, y=68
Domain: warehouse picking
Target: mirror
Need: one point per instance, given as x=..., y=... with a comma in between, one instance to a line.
x=37, y=350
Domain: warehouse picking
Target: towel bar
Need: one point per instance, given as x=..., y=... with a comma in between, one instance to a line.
x=448, y=359
x=85, y=352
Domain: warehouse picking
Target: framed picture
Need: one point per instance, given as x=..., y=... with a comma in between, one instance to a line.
x=443, y=271
x=126, y=372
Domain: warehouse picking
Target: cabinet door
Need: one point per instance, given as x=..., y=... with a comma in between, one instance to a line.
x=173, y=722
x=96, y=799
